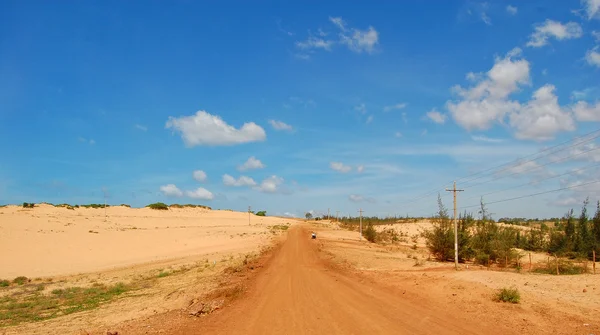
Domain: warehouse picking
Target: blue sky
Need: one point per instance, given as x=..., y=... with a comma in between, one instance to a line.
x=292, y=108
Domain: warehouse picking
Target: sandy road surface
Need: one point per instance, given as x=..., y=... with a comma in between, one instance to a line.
x=299, y=293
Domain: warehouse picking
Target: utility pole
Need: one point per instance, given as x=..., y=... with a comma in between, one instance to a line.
x=328, y=217
x=249, y=207
x=454, y=190
x=360, y=222
x=337, y=216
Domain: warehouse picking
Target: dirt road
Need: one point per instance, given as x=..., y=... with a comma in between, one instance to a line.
x=299, y=293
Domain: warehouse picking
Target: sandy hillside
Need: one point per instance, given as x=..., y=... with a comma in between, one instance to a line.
x=50, y=241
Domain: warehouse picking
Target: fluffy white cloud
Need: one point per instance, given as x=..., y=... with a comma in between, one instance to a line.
x=279, y=125
x=593, y=57
x=586, y=112
x=486, y=102
x=436, y=116
x=396, y=106
x=203, y=128
x=512, y=10
x=200, y=193
x=241, y=181
x=251, y=164
x=199, y=175
x=542, y=117
x=592, y=8
x=554, y=29
x=315, y=43
x=171, y=190
x=270, y=184
x=340, y=167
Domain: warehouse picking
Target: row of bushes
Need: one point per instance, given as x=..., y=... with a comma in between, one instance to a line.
x=163, y=206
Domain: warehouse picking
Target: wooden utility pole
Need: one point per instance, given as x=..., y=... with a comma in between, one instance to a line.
x=454, y=190
x=249, y=208
x=337, y=216
x=328, y=217
x=360, y=222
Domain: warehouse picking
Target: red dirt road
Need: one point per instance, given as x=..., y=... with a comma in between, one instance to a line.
x=299, y=293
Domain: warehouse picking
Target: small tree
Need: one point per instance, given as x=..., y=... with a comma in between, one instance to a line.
x=261, y=213
x=440, y=238
x=370, y=233
x=308, y=216
x=596, y=229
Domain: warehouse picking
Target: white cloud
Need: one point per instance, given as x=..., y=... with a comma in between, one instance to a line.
x=554, y=29
x=542, y=117
x=486, y=102
x=580, y=95
x=279, y=125
x=512, y=10
x=171, y=190
x=360, y=198
x=251, y=164
x=486, y=19
x=586, y=112
x=596, y=35
x=200, y=193
x=89, y=141
x=241, y=181
x=592, y=7
x=436, y=116
x=398, y=134
x=203, y=128
x=424, y=132
x=396, y=106
x=524, y=167
x=340, y=167
x=404, y=118
x=270, y=184
x=362, y=108
x=369, y=119
x=356, y=40
x=141, y=127
x=199, y=175
x=593, y=57
x=360, y=168
x=486, y=139
x=92, y=142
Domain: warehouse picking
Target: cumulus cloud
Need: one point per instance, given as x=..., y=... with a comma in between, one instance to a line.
x=436, y=116
x=340, y=167
x=512, y=10
x=199, y=175
x=170, y=190
x=553, y=29
x=251, y=164
x=241, y=181
x=593, y=57
x=203, y=128
x=486, y=102
x=279, y=125
x=592, y=8
x=200, y=193
x=270, y=184
x=394, y=107
x=586, y=112
x=542, y=117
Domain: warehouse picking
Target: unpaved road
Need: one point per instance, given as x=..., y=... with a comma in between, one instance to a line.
x=299, y=293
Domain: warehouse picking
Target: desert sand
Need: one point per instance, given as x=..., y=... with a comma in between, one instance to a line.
x=50, y=241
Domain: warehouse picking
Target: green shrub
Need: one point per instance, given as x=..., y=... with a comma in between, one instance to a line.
x=126, y=205
x=370, y=233
x=20, y=280
x=28, y=205
x=159, y=206
x=4, y=283
x=511, y=295
x=261, y=213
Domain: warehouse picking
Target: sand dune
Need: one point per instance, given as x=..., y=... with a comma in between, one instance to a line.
x=49, y=241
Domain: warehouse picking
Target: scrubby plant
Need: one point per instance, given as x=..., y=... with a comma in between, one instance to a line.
x=511, y=295
x=158, y=206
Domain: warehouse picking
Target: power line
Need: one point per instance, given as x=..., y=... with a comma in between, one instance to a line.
x=534, y=194
x=537, y=181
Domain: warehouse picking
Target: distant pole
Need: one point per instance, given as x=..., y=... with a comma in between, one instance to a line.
x=454, y=190
x=360, y=222
x=105, y=216
x=337, y=216
x=328, y=217
x=249, y=207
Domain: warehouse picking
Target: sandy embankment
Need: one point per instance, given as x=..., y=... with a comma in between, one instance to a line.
x=49, y=241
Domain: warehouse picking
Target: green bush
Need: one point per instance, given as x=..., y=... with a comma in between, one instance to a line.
x=28, y=205
x=261, y=213
x=20, y=280
x=125, y=205
x=4, y=283
x=370, y=233
x=159, y=206
x=511, y=295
